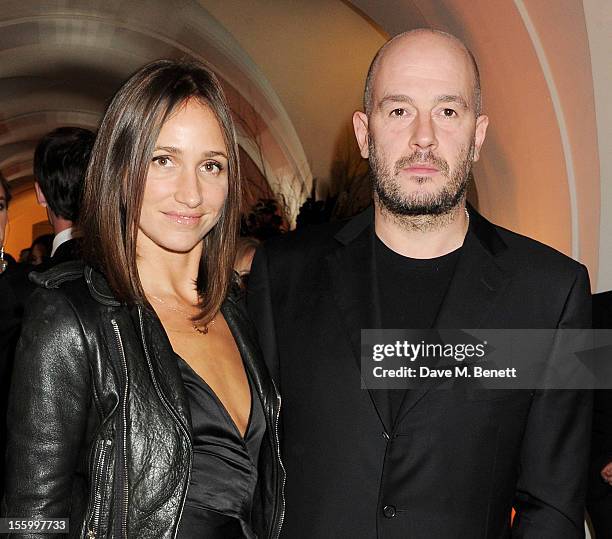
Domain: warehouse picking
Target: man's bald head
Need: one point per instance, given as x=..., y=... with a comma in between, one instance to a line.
x=404, y=39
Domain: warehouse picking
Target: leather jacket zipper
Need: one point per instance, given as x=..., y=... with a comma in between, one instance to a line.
x=173, y=413
x=123, y=516
x=98, y=486
x=281, y=518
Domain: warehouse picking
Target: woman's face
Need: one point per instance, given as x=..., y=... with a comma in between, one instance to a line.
x=187, y=181
x=3, y=214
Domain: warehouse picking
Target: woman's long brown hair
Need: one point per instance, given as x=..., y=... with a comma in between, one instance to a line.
x=117, y=174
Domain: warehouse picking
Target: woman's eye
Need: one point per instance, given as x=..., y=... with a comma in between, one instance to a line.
x=2, y=206
x=213, y=167
x=162, y=160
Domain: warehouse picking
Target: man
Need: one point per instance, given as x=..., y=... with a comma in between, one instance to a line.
x=599, y=494
x=60, y=163
x=419, y=463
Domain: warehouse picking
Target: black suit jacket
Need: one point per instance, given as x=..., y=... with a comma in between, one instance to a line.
x=67, y=251
x=599, y=500
x=455, y=463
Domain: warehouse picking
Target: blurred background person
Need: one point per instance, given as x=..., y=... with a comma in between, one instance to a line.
x=24, y=256
x=5, y=197
x=60, y=163
x=9, y=320
x=245, y=252
x=40, y=251
x=599, y=495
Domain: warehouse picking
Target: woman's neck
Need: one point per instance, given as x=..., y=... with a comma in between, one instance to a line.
x=168, y=274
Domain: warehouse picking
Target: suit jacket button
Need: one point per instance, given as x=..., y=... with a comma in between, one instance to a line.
x=389, y=511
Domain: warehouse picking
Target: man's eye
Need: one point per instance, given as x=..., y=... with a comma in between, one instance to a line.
x=398, y=112
x=449, y=113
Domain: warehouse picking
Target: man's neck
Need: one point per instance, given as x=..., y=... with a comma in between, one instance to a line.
x=421, y=236
x=59, y=223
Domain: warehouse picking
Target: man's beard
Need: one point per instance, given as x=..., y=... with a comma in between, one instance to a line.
x=389, y=190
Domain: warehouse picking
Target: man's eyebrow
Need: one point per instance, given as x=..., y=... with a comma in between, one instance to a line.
x=452, y=98
x=444, y=98
x=395, y=98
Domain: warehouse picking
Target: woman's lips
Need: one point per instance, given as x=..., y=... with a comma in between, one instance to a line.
x=183, y=218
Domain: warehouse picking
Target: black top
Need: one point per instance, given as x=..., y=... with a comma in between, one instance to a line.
x=411, y=291
x=224, y=466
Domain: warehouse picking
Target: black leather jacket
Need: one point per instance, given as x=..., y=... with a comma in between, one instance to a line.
x=99, y=423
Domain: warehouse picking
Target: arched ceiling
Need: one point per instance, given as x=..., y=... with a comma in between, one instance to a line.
x=295, y=70
x=60, y=64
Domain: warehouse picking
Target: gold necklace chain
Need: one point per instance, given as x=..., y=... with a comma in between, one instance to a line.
x=186, y=315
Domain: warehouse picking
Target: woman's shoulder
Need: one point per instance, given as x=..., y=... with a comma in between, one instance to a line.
x=74, y=283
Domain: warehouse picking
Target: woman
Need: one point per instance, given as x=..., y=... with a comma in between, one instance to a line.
x=5, y=198
x=9, y=319
x=140, y=406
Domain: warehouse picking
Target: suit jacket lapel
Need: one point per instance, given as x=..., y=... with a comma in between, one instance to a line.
x=474, y=288
x=472, y=293
x=355, y=292
x=476, y=284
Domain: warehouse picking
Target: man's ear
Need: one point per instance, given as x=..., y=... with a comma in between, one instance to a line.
x=482, y=123
x=360, y=125
x=40, y=197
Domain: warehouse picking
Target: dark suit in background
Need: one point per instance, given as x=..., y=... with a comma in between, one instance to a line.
x=599, y=500
x=10, y=320
x=453, y=464
x=67, y=251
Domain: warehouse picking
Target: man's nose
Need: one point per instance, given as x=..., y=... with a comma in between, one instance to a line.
x=424, y=134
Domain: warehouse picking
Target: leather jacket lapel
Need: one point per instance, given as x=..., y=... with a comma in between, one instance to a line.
x=165, y=369
x=246, y=342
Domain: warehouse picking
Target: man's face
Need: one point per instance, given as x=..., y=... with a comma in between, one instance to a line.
x=422, y=134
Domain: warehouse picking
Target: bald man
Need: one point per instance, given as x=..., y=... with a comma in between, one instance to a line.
x=419, y=463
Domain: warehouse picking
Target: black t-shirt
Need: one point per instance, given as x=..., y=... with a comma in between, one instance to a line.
x=410, y=293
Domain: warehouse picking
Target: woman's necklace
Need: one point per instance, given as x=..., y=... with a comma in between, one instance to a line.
x=187, y=316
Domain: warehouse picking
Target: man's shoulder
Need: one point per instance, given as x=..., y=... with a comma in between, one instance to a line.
x=531, y=255
x=319, y=237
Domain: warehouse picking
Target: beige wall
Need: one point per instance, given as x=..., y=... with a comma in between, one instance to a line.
x=315, y=55
x=539, y=170
x=598, y=15
x=24, y=211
